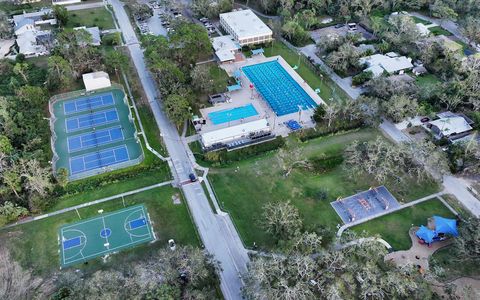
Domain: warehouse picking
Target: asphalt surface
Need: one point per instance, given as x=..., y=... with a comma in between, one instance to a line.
x=216, y=230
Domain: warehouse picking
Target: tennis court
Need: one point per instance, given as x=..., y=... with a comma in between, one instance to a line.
x=94, y=138
x=99, y=159
x=278, y=88
x=91, y=120
x=88, y=103
x=104, y=234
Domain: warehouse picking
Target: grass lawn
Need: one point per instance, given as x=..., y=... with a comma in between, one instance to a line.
x=100, y=17
x=244, y=187
x=328, y=89
x=34, y=245
x=454, y=268
x=421, y=21
x=394, y=227
x=437, y=30
x=427, y=80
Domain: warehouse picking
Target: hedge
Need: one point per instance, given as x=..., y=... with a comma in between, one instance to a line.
x=313, y=133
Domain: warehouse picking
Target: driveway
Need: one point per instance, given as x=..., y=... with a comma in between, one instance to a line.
x=344, y=83
x=216, y=230
x=446, y=24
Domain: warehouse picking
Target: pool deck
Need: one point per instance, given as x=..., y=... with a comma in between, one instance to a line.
x=246, y=96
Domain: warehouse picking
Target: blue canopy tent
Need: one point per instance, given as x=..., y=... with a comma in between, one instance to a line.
x=257, y=51
x=237, y=74
x=445, y=226
x=425, y=234
x=234, y=87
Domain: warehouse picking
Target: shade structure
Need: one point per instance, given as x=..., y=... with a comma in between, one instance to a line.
x=445, y=226
x=425, y=234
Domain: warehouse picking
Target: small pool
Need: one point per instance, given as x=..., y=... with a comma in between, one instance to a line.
x=228, y=115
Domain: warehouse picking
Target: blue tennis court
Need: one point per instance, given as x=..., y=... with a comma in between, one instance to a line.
x=88, y=103
x=91, y=120
x=99, y=159
x=278, y=88
x=95, y=138
x=228, y=115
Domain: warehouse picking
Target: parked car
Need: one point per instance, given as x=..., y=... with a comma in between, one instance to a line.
x=192, y=177
x=171, y=244
x=339, y=25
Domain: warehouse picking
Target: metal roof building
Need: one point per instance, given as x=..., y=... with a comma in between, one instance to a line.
x=245, y=27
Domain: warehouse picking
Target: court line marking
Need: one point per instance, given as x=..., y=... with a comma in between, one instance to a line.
x=84, y=245
x=112, y=150
x=101, y=96
x=104, y=112
x=128, y=230
x=107, y=215
x=105, y=228
x=103, y=131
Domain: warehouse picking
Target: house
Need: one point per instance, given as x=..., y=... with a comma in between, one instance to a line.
x=237, y=136
x=225, y=48
x=65, y=2
x=94, y=34
x=419, y=70
x=41, y=17
x=450, y=125
x=391, y=63
x=23, y=26
x=96, y=80
x=245, y=27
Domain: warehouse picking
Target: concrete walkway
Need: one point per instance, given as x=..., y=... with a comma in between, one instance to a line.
x=98, y=201
x=84, y=6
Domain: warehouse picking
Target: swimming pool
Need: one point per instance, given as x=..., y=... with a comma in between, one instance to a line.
x=278, y=88
x=228, y=115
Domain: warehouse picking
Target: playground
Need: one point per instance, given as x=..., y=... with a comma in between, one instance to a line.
x=105, y=234
x=93, y=133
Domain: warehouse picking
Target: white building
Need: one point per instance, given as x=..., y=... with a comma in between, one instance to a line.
x=242, y=133
x=446, y=127
x=245, y=27
x=96, y=80
x=390, y=63
x=225, y=48
x=43, y=16
x=31, y=40
x=64, y=2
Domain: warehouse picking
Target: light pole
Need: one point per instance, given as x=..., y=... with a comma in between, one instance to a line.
x=228, y=116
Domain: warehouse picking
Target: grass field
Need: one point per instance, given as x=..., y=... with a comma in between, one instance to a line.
x=243, y=188
x=34, y=245
x=427, y=80
x=437, y=30
x=421, y=21
x=328, y=89
x=100, y=17
x=394, y=227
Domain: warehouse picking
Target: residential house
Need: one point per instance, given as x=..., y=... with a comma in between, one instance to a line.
x=94, y=34
x=451, y=126
x=390, y=63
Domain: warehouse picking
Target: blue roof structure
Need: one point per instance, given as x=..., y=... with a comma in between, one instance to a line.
x=237, y=74
x=425, y=234
x=445, y=226
x=293, y=125
x=257, y=51
x=234, y=87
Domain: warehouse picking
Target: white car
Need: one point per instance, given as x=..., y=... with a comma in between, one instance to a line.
x=171, y=244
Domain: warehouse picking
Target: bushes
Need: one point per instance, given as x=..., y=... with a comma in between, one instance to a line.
x=362, y=78
x=312, y=133
x=325, y=164
x=224, y=157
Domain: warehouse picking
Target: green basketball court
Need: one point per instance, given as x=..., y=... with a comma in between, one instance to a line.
x=105, y=234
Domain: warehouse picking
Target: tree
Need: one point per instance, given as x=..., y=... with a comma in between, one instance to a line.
x=61, y=14
x=60, y=73
x=201, y=79
x=168, y=75
x=295, y=33
x=37, y=178
x=291, y=158
x=140, y=10
x=281, y=219
x=62, y=177
x=364, y=7
x=191, y=42
x=467, y=246
x=400, y=107
x=177, y=109
x=22, y=70
x=5, y=145
x=470, y=28
x=116, y=60
x=11, y=212
x=344, y=58
x=443, y=11
x=5, y=28
x=319, y=113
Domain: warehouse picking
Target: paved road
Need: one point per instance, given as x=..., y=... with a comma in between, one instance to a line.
x=344, y=83
x=84, y=6
x=216, y=230
x=452, y=185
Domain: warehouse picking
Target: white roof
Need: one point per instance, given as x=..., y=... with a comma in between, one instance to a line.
x=36, y=15
x=233, y=132
x=225, y=55
x=27, y=42
x=224, y=42
x=245, y=24
x=376, y=70
x=423, y=29
x=96, y=75
x=449, y=126
x=389, y=64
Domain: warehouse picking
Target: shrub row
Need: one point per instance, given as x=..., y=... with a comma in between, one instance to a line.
x=312, y=133
x=325, y=164
x=225, y=157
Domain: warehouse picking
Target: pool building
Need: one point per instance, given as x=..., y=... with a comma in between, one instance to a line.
x=93, y=132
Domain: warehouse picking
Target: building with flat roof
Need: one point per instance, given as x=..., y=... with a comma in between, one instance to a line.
x=96, y=80
x=235, y=136
x=225, y=47
x=451, y=125
x=65, y=2
x=245, y=27
x=390, y=62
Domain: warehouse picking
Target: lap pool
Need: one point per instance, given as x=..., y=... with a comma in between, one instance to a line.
x=228, y=115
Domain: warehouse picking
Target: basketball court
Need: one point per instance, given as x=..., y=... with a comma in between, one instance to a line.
x=105, y=234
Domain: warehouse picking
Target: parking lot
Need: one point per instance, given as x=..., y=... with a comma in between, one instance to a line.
x=161, y=21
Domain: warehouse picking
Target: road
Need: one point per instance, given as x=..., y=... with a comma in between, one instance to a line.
x=216, y=230
x=84, y=6
x=452, y=185
x=344, y=83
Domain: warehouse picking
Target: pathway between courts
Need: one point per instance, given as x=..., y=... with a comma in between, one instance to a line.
x=64, y=210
